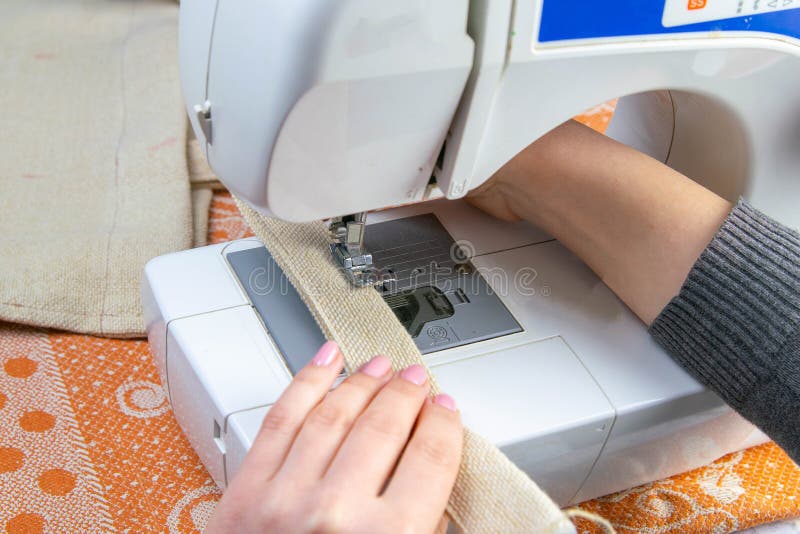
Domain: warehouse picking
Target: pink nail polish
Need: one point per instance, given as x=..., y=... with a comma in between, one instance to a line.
x=376, y=367
x=415, y=374
x=445, y=400
x=326, y=354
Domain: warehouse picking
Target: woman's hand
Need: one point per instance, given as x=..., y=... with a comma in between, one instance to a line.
x=373, y=455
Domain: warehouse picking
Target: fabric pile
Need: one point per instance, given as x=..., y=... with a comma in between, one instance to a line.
x=93, y=161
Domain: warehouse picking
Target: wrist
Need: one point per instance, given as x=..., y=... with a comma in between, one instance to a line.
x=532, y=184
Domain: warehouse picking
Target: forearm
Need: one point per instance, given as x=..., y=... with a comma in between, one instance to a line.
x=720, y=288
x=637, y=223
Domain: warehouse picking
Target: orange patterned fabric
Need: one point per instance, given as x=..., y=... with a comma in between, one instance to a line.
x=90, y=445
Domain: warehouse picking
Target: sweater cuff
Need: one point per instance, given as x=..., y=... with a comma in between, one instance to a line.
x=734, y=324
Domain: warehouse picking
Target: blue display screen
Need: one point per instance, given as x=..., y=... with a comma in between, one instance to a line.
x=590, y=19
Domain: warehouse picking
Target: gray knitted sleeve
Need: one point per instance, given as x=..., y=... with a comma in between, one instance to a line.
x=735, y=326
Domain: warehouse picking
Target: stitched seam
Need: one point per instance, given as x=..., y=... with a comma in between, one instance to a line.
x=112, y=230
x=65, y=313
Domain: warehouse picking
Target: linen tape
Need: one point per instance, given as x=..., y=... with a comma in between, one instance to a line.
x=491, y=494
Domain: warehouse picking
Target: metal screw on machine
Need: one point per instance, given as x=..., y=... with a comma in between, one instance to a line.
x=347, y=249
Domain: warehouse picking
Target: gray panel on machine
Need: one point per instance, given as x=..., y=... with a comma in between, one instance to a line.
x=288, y=321
x=438, y=295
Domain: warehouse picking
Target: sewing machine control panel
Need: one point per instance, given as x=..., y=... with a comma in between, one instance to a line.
x=632, y=19
x=679, y=12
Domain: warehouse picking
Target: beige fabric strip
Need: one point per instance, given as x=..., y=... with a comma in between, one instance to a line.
x=201, y=202
x=200, y=174
x=491, y=494
x=203, y=183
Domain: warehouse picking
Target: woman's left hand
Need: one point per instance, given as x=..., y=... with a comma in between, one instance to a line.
x=374, y=455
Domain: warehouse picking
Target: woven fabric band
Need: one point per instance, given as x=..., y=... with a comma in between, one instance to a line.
x=491, y=494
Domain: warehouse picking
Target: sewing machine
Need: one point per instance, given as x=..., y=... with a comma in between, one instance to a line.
x=328, y=109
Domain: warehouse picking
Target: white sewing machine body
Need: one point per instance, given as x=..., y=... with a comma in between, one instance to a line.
x=323, y=108
x=581, y=398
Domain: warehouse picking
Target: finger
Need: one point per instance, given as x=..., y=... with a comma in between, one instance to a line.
x=370, y=451
x=441, y=528
x=328, y=424
x=426, y=473
x=285, y=418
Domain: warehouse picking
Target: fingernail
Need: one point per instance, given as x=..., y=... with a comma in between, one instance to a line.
x=415, y=374
x=326, y=354
x=443, y=399
x=376, y=367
